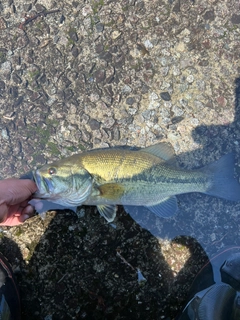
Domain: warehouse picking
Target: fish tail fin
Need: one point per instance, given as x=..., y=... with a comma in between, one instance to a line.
x=224, y=184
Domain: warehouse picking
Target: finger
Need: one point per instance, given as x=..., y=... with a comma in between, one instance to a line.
x=3, y=212
x=12, y=221
x=13, y=191
x=17, y=215
x=9, y=219
x=23, y=204
x=29, y=211
x=36, y=203
x=18, y=210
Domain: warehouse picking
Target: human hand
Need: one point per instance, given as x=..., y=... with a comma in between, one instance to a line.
x=14, y=197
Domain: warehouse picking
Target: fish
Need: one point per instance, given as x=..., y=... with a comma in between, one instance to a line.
x=146, y=177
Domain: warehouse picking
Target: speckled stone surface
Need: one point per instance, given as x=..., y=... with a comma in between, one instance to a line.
x=101, y=73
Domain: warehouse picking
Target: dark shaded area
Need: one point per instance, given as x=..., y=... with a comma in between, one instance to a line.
x=214, y=293
x=74, y=273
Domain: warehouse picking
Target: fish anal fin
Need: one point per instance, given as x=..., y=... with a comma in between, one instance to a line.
x=162, y=150
x=107, y=211
x=166, y=208
x=111, y=191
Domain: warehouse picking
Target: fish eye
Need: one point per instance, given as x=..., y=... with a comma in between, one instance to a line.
x=52, y=171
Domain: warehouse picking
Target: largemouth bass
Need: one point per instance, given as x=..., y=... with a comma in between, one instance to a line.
x=119, y=176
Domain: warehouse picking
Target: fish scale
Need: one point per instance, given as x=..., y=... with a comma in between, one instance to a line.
x=117, y=162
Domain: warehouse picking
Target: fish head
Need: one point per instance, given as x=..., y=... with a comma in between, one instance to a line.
x=63, y=183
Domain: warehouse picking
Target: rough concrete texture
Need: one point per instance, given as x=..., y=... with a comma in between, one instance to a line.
x=101, y=73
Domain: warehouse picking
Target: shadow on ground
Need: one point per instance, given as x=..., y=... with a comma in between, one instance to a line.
x=208, y=219
x=75, y=272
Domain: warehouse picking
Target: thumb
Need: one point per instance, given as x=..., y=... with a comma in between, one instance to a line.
x=14, y=191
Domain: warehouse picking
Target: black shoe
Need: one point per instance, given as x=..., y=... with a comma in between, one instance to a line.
x=10, y=308
x=215, y=292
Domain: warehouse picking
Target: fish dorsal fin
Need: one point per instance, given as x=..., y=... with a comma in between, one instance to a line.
x=107, y=211
x=162, y=150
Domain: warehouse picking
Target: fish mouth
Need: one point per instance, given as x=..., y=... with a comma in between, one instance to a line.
x=29, y=176
x=44, y=185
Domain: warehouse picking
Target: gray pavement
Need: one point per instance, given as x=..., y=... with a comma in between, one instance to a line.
x=101, y=73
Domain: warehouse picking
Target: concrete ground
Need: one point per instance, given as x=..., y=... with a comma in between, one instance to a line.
x=77, y=75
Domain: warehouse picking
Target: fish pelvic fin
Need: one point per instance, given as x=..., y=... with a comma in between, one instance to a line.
x=111, y=191
x=165, y=209
x=162, y=150
x=108, y=212
x=224, y=185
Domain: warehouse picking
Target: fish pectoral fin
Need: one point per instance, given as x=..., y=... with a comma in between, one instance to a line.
x=162, y=150
x=111, y=191
x=166, y=208
x=108, y=212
